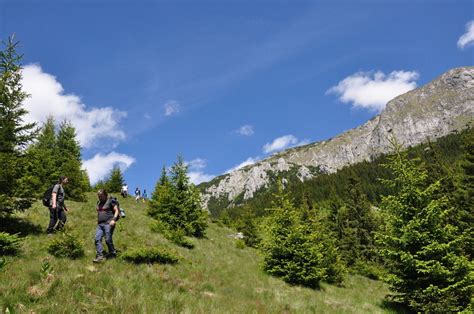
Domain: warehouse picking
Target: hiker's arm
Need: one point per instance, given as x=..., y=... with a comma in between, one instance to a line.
x=54, y=198
x=116, y=215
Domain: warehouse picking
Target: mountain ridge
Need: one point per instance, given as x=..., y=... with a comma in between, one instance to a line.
x=440, y=107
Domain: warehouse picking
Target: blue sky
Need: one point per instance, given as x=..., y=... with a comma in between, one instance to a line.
x=224, y=82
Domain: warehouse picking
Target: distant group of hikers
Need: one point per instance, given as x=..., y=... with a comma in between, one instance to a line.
x=108, y=213
x=138, y=195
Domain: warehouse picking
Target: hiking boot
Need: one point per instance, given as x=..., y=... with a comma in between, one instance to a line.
x=98, y=259
x=110, y=255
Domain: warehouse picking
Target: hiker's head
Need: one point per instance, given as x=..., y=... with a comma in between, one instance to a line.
x=102, y=195
x=63, y=180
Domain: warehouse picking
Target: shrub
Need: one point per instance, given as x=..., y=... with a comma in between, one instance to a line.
x=65, y=245
x=9, y=244
x=240, y=244
x=150, y=255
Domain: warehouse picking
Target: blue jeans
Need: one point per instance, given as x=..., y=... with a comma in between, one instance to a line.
x=104, y=229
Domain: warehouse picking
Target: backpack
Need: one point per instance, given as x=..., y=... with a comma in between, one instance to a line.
x=114, y=201
x=47, y=196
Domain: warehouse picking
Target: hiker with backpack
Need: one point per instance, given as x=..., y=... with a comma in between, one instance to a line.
x=54, y=198
x=108, y=213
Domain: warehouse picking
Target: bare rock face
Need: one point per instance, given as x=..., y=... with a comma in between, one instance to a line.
x=441, y=107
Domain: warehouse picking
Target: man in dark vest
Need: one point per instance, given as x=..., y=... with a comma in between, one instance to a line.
x=107, y=215
x=57, y=208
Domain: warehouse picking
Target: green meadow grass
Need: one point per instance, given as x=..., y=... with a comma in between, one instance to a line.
x=214, y=277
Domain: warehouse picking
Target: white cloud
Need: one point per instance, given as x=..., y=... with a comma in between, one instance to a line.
x=48, y=98
x=196, y=164
x=248, y=161
x=99, y=166
x=283, y=142
x=172, y=107
x=468, y=37
x=196, y=171
x=197, y=177
x=245, y=130
x=372, y=92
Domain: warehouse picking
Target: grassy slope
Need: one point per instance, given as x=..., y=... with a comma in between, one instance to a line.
x=213, y=277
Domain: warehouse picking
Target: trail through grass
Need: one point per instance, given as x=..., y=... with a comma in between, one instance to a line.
x=214, y=277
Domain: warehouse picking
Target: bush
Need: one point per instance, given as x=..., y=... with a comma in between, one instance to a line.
x=9, y=244
x=240, y=244
x=150, y=255
x=65, y=245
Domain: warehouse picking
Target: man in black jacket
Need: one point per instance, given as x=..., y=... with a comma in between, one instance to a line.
x=107, y=215
x=57, y=208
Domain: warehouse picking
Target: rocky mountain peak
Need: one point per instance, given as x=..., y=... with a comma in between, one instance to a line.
x=442, y=106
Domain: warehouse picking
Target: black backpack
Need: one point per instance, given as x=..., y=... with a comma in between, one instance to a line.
x=47, y=196
x=113, y=202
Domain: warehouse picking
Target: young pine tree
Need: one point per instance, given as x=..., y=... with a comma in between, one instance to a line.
x=192, y=219
x=427, y=270
x=177, y=203
x=162, y=202
x=115, y=180
x=294, y=249
x=357, y=242
x=69, y=163
x=15, y=134
x=42, y=169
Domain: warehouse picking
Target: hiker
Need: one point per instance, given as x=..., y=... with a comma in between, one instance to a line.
x=57, y=208
x=124, y=190
x=144, y=196
x=137, y=194
x=107, y=216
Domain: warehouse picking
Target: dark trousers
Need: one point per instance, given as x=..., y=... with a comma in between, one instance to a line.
x=57, y=220
x=107, y=231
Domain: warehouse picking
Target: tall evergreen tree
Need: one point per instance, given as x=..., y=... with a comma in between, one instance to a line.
x=296, y=247
x=357, y=242
x=428, y=271
x=42, y=169
x=115, y=180
x=69, y=163
x=191, y=217
x=15, y=134
x=177, y=203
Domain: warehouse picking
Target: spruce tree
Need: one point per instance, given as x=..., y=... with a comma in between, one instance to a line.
x=15, y=134
x=357, y=241
x=190, y=216
x=177, y=203
x=69, y=161
x=115, y=180
x=42, y=169
x=297, y=250
x=427, y=270
x=162, y=201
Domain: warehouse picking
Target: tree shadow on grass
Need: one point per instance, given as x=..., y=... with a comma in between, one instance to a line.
x=395, y=307
x=13, y=225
